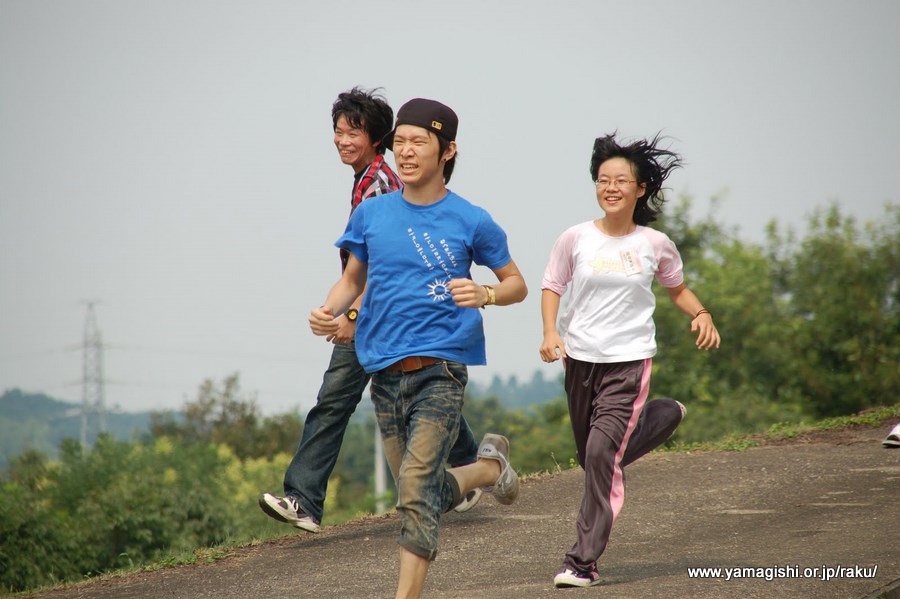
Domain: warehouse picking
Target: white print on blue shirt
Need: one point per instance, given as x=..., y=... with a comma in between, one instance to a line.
x=412, y=253
x=440, y=254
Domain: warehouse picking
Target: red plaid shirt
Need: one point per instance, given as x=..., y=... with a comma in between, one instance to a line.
x=375, y=180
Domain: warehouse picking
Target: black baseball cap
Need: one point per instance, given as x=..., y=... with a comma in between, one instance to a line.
x=428, y=114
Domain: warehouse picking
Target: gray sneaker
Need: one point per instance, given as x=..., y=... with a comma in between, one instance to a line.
x=287, y=509
x=496, y=447
x=468, y=501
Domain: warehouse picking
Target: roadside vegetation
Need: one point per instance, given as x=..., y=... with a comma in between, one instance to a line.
x=811, y=331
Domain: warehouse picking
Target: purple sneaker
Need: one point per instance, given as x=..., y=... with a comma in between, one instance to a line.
x=572, y=578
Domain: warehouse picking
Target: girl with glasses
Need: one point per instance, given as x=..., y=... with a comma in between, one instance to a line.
x=606, y=336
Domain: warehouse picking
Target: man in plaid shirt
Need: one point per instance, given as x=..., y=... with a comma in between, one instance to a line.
x=361, y=119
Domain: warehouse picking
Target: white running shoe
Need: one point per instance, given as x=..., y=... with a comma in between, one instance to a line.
x=496, y=447
x=287, y=509
x=893, y=438
x=571, y=578
x=468, y=501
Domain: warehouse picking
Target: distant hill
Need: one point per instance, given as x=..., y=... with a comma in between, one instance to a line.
x=513, y=394
x=40, y=422
x=37, y=421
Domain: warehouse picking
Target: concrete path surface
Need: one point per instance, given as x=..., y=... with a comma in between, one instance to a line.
x=818, y=517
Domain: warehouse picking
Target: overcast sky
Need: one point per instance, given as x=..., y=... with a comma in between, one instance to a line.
x=174, y=160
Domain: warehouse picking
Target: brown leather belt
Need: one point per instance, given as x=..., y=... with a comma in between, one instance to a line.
x=412, y=363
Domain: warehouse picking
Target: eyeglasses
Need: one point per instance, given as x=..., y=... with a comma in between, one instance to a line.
x=619, y=183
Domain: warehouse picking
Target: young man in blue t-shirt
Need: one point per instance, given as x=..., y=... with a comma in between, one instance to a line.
x=419, y=326
x=361, y=119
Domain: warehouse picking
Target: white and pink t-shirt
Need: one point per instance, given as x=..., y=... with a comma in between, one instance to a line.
x=609, y=316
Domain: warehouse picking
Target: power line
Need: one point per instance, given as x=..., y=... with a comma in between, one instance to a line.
x=181, y=386
x=201, y=352
x=93, y=381
x=36, y=354
x=149, y=349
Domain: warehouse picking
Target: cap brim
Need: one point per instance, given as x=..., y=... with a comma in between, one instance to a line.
x=387, y=141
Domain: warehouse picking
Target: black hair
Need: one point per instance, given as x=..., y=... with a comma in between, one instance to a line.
x=366, y=110
x=651, y=165
x=443, y=144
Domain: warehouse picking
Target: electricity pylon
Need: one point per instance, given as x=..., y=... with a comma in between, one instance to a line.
x=92, y=382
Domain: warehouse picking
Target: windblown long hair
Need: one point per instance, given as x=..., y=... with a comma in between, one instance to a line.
x=651, y=164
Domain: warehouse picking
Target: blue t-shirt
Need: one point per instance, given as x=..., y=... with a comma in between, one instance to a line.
x=412, y=253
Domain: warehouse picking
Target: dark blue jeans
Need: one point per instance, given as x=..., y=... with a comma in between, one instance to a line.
x=343, y=384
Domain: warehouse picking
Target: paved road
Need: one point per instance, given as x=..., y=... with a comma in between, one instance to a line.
x=822, y=502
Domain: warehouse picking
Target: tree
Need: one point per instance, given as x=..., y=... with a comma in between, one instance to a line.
x=843, y=289
x=746, y=385
x=222, y=414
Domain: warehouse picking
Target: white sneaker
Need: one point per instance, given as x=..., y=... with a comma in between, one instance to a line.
x=571, y=578
x=893, y=438
x=287, y=509
x=468, y=501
